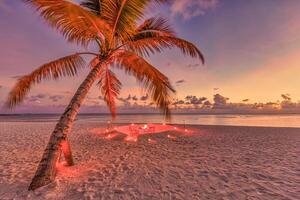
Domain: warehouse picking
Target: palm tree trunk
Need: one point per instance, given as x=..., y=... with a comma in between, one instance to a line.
x=58, y=142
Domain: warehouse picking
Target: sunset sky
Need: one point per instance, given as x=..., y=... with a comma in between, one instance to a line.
x=252, y=51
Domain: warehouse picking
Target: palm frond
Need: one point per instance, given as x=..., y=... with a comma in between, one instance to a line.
x=156, y=83
x=123, y=15
x=92, y=5
x=95, y=5
x=148, y=44
x=74, y=22
x=66, y=66
x=155, y=25
x=110, y=88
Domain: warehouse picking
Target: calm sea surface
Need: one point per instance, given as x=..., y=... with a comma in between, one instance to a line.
x=287, y=120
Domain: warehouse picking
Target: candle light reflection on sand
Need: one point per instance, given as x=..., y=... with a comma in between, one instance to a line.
x=133, y=131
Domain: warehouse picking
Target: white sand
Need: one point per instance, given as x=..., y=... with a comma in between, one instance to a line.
x=213, y=163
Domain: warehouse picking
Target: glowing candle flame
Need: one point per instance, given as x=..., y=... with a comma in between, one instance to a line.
x=171, y=137
x=145, y=126
x=151, y=141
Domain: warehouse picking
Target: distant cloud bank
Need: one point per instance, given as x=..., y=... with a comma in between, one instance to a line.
x=220, y=104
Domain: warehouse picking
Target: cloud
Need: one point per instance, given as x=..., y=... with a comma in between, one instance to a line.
x=144, y=98
x=287, y=102
x=134, y=98
x=207, y=103
x=246, y=100
x=286, y=97
x=179, y=82
x=189, y=104
x=126, y=101
x=193, y=65
x=1, y=86
x=129, y=97
x=188, y=9
x=194, y=100
x=189, y=101
x=121, y=99
x=68, y=92
x=16, y=77
x=36, y=98
x=220, y=101
x=56, y=98
x=178, y=102
x=100, y=97
x=39, y=97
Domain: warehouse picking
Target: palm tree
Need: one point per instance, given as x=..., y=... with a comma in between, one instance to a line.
x=122, y=43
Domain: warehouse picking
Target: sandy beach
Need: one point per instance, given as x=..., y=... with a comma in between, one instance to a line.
x=215, y=162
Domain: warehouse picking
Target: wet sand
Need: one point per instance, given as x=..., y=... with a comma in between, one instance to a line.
x=214, y=162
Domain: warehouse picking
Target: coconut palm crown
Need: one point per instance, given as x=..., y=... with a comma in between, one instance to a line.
x=122, y=43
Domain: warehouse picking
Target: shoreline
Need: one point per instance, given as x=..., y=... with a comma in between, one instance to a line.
x=286, y=121
x=103, y=124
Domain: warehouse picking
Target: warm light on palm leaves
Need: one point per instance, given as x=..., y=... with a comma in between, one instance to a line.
x=66, y=66
x=110, y=88
x=112, y=25
x=154, y=81
x=155, y=26
x=73, y=21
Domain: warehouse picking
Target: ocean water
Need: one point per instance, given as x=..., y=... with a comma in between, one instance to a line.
x=284, y=120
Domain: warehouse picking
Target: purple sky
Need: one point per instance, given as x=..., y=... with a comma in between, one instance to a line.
x=252, y=51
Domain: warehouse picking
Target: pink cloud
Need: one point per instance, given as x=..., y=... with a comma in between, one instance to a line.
x=192, y=8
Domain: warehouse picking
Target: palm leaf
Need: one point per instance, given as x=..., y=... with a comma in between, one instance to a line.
x=95, y=5
x=156, y=84
x=75, y=23
x=120, y=15
x=155, y=26
x=66, y=66
x=123, y=15
x=92, y=5
x=110, y=88
x=152, y=44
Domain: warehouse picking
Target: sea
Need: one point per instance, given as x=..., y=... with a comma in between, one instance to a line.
x=267, y=120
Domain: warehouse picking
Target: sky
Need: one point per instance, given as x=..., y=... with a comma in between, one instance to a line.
x=252, y=51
